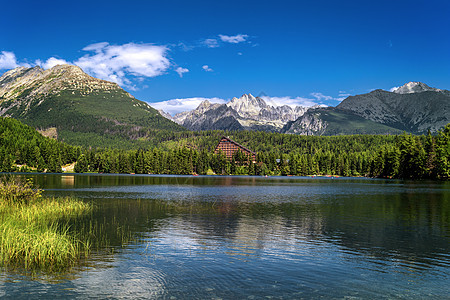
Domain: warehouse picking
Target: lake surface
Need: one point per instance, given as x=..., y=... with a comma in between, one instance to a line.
x=186, y=237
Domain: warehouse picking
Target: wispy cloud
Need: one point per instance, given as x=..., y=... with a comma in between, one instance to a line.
x=116, y=62
x=321, y=97
x=175, y=106
x=342, y=96
x=290, y=101
x=211, y=43
x=181, y=71
x=206, y=68
x=316, y=99
x=233, y=39
x=221, y=39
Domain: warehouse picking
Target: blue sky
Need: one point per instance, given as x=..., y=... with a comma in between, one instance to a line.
x=295, y=52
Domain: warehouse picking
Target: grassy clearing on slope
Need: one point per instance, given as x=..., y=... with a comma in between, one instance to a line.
x=34, y=231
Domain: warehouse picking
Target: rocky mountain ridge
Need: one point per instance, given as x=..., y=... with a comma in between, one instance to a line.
x=414, y=107
x=414, y=87
x=42, y=82
x=75, y=104
x=248, y=112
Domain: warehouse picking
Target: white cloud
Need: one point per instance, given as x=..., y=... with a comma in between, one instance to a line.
x=211, y=43
x=181, y=71
x=342, y=96
x=97, y=47
x=321, y=97
x=51, y=62
x=116, y=62
x=184, y=46
x=235, y=39
x=393, y=89
x=290, y=101
x=175, y=106
x=206, y=68
x=8, y=60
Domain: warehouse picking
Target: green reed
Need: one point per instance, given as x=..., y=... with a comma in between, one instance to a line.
x=34, y=231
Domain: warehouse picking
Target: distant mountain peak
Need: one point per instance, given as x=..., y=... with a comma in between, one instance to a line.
x=413, y=87
x=205, y=103
x=247, y=112
x=247, y=105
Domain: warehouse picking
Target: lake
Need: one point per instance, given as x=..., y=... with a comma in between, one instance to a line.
x=231, y=237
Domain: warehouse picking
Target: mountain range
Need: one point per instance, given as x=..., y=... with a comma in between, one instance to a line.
x=82, y=110
x=413, y=107
x=247, y=112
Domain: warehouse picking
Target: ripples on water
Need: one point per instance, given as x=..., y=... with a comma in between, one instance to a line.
x=250, y=237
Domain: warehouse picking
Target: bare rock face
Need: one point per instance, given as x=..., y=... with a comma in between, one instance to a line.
x=208, y=116
x=311, y=123
x=40, y=82
x=246, y=112
x=255, y=111
x=248, y=106
x=166, y=115
x=21, y=86
x=180, y=117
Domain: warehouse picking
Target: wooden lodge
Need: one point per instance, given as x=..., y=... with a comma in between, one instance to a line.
x=230, y=147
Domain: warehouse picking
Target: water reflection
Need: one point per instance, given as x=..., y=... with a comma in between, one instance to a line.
x=249, y=236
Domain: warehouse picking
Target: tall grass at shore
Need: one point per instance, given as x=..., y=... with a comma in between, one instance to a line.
x=34, y=231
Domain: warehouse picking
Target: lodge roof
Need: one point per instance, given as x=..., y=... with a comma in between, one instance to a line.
x=236, y=143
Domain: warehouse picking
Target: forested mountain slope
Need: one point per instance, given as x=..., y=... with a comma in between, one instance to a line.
x=22, y=148
x=83, y=109
x=23, y=145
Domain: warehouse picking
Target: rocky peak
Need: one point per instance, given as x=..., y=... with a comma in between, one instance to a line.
x=11, y=76
x=51, y=81
x=165, y=115
x=248, y=105
x=67, y=70
x=414, y=87
x=203, y=106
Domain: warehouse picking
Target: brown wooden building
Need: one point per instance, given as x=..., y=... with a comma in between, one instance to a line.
x=229, y=147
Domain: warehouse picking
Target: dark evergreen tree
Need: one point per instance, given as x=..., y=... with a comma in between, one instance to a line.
x=81, y=165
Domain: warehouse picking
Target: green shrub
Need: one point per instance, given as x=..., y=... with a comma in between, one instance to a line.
x=18, y=191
